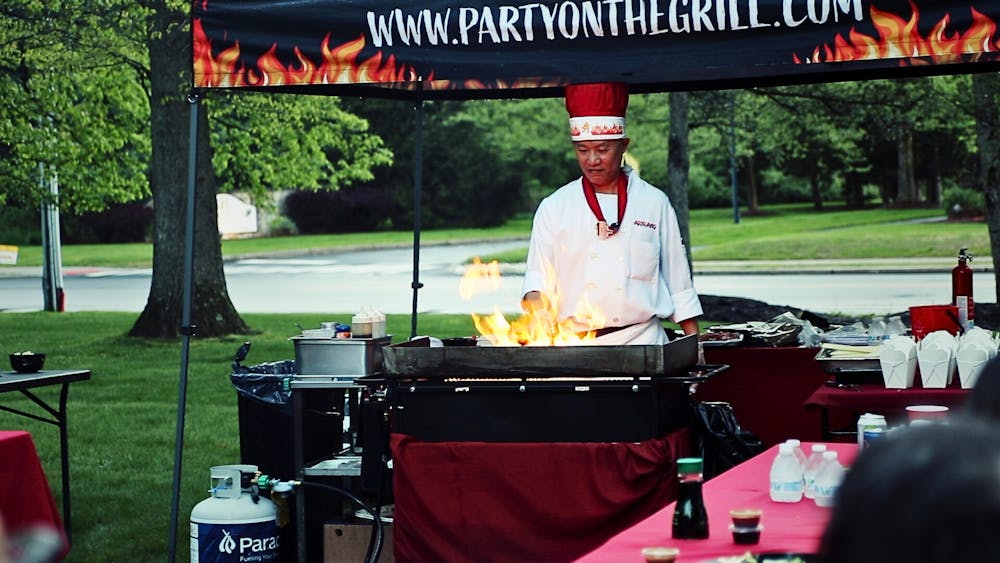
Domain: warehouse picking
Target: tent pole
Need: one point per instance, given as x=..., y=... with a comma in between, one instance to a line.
x=418, y=156
x=186, y=329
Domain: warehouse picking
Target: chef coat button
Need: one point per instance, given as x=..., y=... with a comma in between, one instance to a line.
x=616, y=319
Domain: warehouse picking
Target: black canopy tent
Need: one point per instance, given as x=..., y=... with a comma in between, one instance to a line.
x=450, y=49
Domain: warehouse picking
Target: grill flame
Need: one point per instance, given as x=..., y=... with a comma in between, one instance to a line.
x=539, y=327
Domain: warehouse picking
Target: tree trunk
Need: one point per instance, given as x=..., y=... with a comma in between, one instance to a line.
x=817, y=194
x=212, y=312
x=934, y=182
x=753, y=203
x=907, y=193
x=678, y=162
x=986, y=91
x=854, y=196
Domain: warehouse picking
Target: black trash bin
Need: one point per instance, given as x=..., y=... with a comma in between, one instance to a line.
x=267, y=439
x=266, y=420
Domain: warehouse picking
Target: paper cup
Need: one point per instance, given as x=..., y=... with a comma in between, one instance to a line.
x=926, y=412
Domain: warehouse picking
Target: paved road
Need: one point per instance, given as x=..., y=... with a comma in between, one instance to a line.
x=341, y=283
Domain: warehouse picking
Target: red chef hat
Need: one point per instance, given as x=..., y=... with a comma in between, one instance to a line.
x=597, y=110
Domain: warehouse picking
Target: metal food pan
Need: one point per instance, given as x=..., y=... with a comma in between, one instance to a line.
x=842, y=365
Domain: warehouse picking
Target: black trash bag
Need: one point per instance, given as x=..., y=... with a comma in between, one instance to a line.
x=258, y=382
x=719, y=439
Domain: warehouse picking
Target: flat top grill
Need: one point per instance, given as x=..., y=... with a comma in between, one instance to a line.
x=675, y=361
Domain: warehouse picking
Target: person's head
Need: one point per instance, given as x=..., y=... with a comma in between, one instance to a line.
x=597, y=128
x=922, y=493
x=983, y=400
x=600, y=161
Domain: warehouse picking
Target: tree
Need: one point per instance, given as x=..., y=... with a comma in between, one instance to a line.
x=104, y=90
x=66, y=115
x=678, y=162
x=986, y=94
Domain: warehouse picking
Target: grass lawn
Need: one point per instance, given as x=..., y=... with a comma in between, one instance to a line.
x=122, y=422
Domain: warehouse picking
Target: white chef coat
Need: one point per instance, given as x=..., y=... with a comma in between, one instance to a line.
x=639, y=274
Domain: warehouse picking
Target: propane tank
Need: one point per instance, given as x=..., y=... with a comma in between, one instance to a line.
x=961, y=289
x=235, y=524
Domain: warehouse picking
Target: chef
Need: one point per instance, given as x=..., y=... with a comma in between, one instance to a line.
x=611, y=239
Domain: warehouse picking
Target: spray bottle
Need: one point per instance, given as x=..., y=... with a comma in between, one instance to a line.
x=961, y=289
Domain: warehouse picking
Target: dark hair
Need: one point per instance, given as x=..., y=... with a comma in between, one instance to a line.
x=922, y=493
x=983, y=400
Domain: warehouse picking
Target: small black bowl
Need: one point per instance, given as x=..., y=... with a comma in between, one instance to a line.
x=27, y=363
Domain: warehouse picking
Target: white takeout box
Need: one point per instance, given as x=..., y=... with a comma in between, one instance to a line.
x=898, y=358
x=936, y=359
x=976, y=348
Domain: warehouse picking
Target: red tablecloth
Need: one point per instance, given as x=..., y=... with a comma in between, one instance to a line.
x=25, y=497
x=876, y=398
x=767, y=388
x=787, y=527
x=516, y=502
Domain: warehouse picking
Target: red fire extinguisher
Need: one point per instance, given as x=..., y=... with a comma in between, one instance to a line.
x=961, y=289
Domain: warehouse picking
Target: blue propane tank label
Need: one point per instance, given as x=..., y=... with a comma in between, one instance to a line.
x=234, y=542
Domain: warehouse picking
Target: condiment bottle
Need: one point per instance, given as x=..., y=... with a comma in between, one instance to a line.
x=690, y=516
x=378, y=324
x=361, y=325
x=961, y=289
x=786, y=476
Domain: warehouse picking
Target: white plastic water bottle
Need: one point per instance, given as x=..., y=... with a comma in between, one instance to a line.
x=786, y=476
x=809, y=471
x=876, y=332
x=828, y=479
x=797, y=450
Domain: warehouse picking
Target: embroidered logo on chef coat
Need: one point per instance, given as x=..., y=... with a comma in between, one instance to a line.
x=646, y=224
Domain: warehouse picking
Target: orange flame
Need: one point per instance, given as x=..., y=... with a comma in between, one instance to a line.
x=539, y=327
x=337, y=65
x=901, y=39
x=478, y=275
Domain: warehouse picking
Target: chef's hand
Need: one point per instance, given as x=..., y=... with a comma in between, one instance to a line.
x=690, y=326
x=532, y=301
x=536, y=305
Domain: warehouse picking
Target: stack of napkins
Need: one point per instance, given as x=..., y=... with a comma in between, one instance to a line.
x=975, y=349
x=936, y=356
x=898, y=358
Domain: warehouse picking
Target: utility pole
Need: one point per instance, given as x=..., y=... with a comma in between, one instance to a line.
x=52, y=278
x=732, y=156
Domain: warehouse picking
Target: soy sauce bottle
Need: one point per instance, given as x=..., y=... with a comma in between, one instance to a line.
x=690, y=517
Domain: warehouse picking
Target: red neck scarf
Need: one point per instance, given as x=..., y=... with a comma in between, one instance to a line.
x=603, y=229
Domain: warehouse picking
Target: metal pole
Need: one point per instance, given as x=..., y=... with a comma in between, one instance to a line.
x=418, y=156
x=732, y=157
x=55, y=245
x=48, y=281
x=186, y=329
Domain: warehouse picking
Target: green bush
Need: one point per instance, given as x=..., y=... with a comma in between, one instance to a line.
x=963, y=202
